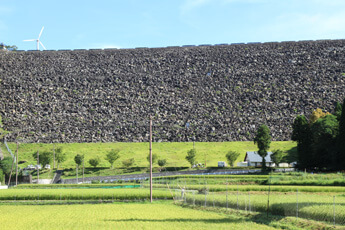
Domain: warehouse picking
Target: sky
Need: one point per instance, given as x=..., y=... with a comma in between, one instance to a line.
x=100, y=24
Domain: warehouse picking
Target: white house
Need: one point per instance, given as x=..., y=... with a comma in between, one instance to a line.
x=254, y=159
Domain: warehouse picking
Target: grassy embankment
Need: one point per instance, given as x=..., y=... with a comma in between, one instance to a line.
x=174, y=152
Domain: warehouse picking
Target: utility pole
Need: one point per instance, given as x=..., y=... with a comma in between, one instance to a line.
x=17, y=165
x=151, y=159
x=83, y=168
x=38, y=166
x=54, y=155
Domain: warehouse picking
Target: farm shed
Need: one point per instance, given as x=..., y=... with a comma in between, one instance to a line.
x=254, y=159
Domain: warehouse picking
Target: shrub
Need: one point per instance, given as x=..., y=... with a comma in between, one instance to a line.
x=128, y=163
x=94, y=161
x=162, y=162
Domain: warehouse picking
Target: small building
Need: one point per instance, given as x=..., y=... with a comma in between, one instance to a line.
x=254, y=159
x=221, y=164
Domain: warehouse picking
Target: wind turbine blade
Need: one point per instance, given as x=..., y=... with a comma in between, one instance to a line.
x=40, y=32
x=30, y=40
x=42, y=45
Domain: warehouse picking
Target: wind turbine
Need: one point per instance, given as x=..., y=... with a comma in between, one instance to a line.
x=37, y=40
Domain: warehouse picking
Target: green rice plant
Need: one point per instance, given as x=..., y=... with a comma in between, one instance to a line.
x=319, y=207
x=249, y=188
x=54, y=186
x=161, y=215
x=82, y=194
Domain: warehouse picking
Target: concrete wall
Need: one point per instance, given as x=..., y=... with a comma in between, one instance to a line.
x=224, y=92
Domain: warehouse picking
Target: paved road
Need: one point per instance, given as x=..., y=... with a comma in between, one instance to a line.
x=142, y=176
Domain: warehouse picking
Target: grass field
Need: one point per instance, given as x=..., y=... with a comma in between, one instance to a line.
x=162, y=215
x=316, y=203
x=174, y=152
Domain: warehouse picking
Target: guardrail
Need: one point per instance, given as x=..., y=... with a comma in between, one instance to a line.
x=9, y=150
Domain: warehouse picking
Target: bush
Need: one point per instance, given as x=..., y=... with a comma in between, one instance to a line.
x=162, y=162
x=94, y=161
x=128, y=163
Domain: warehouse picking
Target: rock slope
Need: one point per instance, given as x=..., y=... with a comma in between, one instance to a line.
x=206, y=93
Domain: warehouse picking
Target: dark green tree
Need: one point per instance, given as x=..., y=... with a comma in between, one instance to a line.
x=191, y=155
x=112, y=156
x=2, y=177
x=78, y=159
x=45, y=157
x=337, y=110
x=6, y=165
x=94, y=161
x=301, y=133
x=341, y=140
x=263, y=140
x=325, y=131
x=231, y=157
x=277, y=156
x=162, y=162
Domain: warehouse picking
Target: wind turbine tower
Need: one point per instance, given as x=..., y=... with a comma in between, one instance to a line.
x=37, y=40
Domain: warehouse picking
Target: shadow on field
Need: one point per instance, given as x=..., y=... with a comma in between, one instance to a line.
x=209, y=221
x=292, y=155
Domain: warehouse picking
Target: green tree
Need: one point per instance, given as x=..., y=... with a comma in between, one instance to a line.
x=112, y=156
x=191, y=155
x=128, y=162
x=325, y=130
x=154, y=158
x=6, y=165
x=231, y=157
x=341, y=140
x=2, y=177
x=45, y=157
x=337, y=110
x=78, y=159
x=162, y=162
x=301, y=133
x=263, y=140
x=277, y=156
x=94, y=161
x=59, y=156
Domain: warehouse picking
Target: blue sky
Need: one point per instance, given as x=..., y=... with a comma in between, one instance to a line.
x=93, y=24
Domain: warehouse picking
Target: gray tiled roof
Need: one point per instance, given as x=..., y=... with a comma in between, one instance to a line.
x=255, y=157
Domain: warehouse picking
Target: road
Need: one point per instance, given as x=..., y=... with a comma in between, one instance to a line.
x=143, y=176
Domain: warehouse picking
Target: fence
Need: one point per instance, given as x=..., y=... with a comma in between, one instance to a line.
x=328, y=207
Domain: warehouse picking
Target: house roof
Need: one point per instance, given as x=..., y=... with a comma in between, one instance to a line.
x=255, y=157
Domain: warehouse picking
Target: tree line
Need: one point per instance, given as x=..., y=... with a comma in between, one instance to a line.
x=321, y=139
